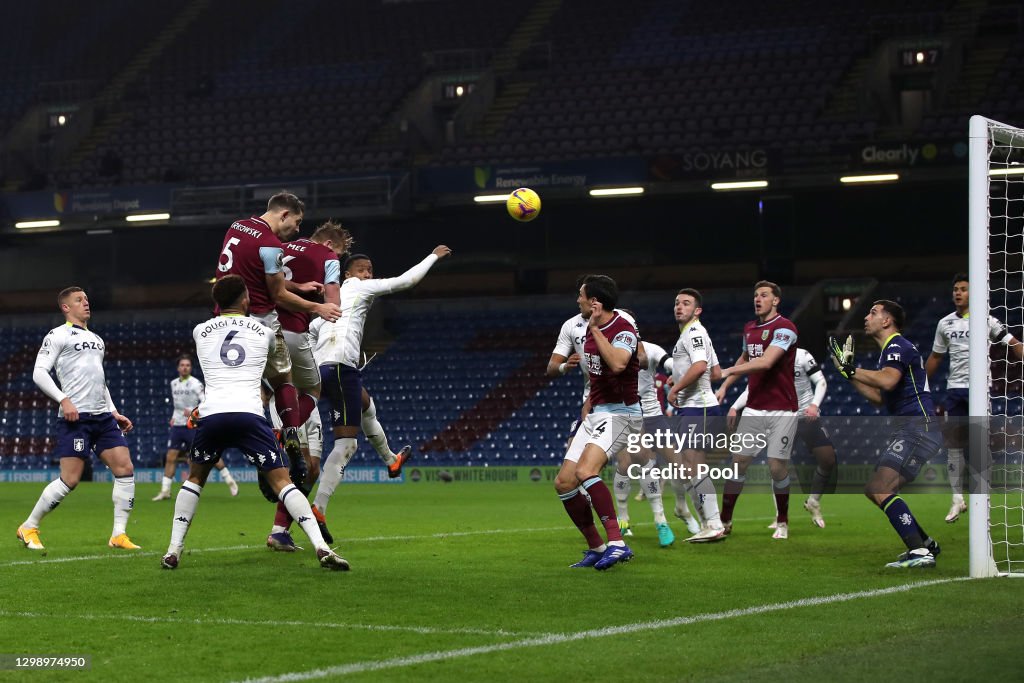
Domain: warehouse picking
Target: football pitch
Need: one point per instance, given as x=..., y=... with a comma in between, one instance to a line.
x=469, y=581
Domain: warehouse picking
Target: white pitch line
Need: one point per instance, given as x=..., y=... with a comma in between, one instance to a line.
x=367, y=539
x=119, y=556
x=215, y=621
x=559, y=638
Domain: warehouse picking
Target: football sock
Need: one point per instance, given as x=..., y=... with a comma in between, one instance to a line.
x=307, y=404
x=733, y=488
x=165, y=484
x=298, y=508
x=124, y=500
x=578, y=509
x=601, y=499
x=902, y=520
x=652, y=489
x=332, y=471
x=51, y=497
x=184, y=510
x=781, y=490
x=282, y=520
x=955, y=456
x=375, y=434
x=820, y=481
x=621, y=487
x=286, y=398
x=225, y=474
x=680, y=487
x=314, y=434
x=706, y=500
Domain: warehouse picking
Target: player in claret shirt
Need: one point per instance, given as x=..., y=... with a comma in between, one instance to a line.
x=254, y=251
x=610, y=359
x=771, y=416
x=901, y=386
x=308, y=260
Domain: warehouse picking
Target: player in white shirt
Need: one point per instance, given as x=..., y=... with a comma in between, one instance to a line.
x=186, y=395
x=372, y=429
x=952, y=337
x=233, y=350
x=810, y=390
x=339, y=351
x=694, y=366
x=87, y=420
x=280, y=538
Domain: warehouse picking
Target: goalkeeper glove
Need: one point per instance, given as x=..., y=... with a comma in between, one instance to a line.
x=193, y=419
x=842, y=356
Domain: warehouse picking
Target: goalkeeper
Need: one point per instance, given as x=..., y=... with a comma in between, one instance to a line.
x=900, y=385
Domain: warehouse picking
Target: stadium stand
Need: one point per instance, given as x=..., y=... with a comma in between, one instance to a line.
x=199, y=113
x=263, y=91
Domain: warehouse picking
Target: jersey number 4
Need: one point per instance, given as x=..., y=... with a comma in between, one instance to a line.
x=227, y=348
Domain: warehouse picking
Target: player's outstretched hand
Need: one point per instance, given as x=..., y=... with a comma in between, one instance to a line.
x=572, y=361
x=720, y=395
x=69, y=410
x=329, y=312
x=123, y=423
x=440, y=251
x=730, y=420
x=842, y=356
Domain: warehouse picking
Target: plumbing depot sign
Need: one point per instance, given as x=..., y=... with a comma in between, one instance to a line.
x=111, y=202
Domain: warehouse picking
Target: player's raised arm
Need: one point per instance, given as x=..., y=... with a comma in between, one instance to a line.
x=409, y=278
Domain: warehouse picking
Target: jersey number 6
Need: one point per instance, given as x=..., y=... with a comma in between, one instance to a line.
x=227, y=347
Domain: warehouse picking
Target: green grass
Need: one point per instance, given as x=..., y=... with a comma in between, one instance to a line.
x=230, y=613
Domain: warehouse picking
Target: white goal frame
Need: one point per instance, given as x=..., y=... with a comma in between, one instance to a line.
x=982, y=563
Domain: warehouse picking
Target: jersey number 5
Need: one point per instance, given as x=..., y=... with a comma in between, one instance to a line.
x=226, y=251
x=227, y=347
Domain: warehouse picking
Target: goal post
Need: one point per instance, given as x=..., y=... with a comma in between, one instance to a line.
x=996, y=272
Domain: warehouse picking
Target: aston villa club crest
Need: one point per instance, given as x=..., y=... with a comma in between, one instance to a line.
x=764, y=335
x=79, y=445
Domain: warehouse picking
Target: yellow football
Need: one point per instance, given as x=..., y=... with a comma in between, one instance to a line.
x=523, y=204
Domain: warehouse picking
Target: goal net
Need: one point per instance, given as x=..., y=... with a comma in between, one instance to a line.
x=996, y=391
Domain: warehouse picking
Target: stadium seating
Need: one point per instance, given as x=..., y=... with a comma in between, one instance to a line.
x=260, y=91
x=656, y=78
